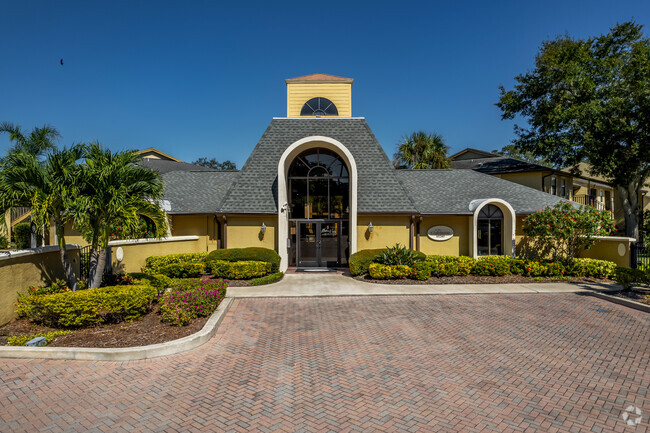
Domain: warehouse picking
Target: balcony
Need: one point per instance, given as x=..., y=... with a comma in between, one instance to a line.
x=589, y=200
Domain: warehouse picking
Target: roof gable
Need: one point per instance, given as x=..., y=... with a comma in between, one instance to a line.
x=470, y=153
x=316, y=78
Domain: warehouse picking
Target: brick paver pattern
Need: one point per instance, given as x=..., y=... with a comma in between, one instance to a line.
x=532, y=362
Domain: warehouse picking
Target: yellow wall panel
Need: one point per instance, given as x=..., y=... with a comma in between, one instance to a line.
x=387, y=231
x=245, y=231
x=339, y=93
x=458, y=245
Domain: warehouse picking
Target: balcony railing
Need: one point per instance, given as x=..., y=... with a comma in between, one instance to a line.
x=589, y=200
x=19, y=212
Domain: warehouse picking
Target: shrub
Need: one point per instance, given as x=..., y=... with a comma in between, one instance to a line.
x=4, y=243
x=629, y=278
x=192, y=299
x=462, y=264
x=267, y=280
x=159, y=281
x=564, y=230
x=87, y=307
x=183, y=270
x=255, y=254
x=533, y=268
x=593, y=268
x=399, y=255
x=23, y=235
x=244, y=270
x=57, y=286
x=360, y=261
x=420, y=271
x=21, y=340
x=492, y=266
x=154, y=263
x=117, y=279
x=388, y=272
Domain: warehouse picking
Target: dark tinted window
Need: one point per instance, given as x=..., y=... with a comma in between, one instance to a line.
x=319, y=107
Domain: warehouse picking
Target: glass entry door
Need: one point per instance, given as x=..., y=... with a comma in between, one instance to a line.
x=321, y=244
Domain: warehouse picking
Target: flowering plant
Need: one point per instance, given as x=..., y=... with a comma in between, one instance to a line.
x=564, y=230
x=185, y=302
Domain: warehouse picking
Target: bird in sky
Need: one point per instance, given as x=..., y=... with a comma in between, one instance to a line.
x=61, y=62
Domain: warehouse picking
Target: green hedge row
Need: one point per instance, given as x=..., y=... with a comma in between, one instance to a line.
x=155, y=263
x=267, y=280
x=253, y=254
x=242, y=270
x=88, y=307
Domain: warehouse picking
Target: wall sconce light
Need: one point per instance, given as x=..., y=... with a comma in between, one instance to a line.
x=263, y=228
x=370, y=227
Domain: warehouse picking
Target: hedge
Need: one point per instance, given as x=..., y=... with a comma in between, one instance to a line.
x=255, y=254
x=21, y=340
x=23, y=235
x=88, y=307
x=243, y=270
x=154, y=263
x=360, y=260
x=159, y=281
x=183, y=270
x=267, y=280
x=388, y=272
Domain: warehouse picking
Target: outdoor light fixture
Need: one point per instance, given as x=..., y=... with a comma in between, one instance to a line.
x=370, y=227
x=263, y=228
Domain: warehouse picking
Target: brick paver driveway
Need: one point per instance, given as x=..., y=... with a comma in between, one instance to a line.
x=544, y=362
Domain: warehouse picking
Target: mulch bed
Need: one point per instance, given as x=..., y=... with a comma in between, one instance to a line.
x=638, y=296
x=475, y=279
x=146, y=330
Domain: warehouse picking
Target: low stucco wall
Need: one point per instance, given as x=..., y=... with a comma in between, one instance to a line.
x=613, y=248
x=458, y=245
x=135, y=252
x=23, y=269
x=244, y=231
x=203, y=226
x=387, y=231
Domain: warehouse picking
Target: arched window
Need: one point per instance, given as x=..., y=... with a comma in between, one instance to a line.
x=319, y=186
x=319, y=107
x=490, y=231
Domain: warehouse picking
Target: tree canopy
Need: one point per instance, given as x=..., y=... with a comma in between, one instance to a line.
x=421, y=150
x=589, y=101
x=213, y=163
x=38, y=142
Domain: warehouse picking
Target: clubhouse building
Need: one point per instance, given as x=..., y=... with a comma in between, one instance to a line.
x=318, y=187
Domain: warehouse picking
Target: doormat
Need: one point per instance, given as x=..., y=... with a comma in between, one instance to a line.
x=315, y=270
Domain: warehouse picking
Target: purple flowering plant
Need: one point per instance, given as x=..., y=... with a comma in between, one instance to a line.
x=189, y=299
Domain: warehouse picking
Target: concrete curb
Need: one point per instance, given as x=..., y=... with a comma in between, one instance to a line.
x=622, y=301
x=124, y=353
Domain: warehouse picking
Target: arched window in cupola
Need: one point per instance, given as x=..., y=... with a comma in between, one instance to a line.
x=319, y=107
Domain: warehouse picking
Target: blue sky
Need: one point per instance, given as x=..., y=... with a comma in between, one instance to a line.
x=204, y=79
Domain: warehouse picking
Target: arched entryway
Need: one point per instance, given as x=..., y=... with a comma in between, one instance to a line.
x=317, y=199
x=492, y=228
x=319, y=209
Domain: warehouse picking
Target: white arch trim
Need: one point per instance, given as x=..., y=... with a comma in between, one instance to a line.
x=283, y=169
x=509, y=224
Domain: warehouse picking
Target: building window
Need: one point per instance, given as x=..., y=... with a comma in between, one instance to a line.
x=490, y=231
x=319, y=107
x=563, y=190
x=554, y=185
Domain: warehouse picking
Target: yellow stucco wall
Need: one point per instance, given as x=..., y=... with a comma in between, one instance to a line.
x=532, y=180
x=387, y=231
x=203, y=226
x=245, y=231
x=339, y=93
x=458, y=245
x=72, y=236
x=17, y=274
x=135, y=254
x=610, y=249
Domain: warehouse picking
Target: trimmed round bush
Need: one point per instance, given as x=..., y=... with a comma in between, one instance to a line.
x=360, y=260
x=378, y=271
x=183, y=270
x=242, y=270
x=153, y=264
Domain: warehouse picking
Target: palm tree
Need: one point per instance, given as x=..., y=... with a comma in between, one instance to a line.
x=116, y=192
x=37, y=143
x=49, y=187
x=421, y=150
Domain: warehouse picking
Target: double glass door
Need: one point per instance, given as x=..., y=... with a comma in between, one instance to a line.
x=321, y=244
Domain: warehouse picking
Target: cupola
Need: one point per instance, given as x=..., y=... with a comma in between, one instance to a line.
x=319, y=95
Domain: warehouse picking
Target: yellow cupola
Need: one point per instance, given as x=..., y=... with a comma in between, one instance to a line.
x=319, y=95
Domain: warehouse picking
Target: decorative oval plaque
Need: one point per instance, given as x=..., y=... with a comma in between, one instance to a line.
x=440, y=233
x=119, y=254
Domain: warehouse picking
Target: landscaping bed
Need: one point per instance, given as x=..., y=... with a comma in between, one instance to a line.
x=642, y=297
x=146, y=330
x=485, y=279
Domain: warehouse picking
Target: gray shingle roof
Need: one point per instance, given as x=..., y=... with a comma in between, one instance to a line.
x=163, y=166
x=379, y=189
x=498, y=164
x=197, y=191
x=451, y=191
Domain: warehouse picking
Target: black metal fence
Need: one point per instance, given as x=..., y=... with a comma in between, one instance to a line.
x=640, y=255
x=84, y=261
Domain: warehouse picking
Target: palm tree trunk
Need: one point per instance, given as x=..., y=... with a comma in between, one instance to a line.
x=96, y=279
x=92, y=267
x=70, y=278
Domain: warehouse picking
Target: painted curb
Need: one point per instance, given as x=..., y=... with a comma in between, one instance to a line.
x=124, y=353
x=622, y=301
